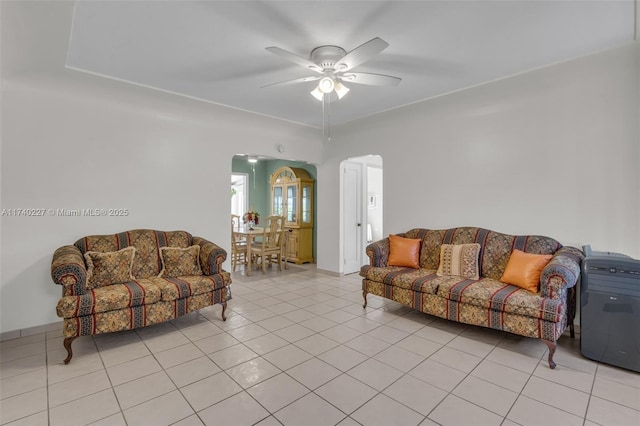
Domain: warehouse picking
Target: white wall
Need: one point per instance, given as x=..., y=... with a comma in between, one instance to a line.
x=552, y=152
x=73, y=141
x=62, y=149
x=516, y=155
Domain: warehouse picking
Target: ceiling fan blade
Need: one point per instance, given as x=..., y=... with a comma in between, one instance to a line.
x=361, y=54
x=295, y=58
x=297, y=80
x=370, y=79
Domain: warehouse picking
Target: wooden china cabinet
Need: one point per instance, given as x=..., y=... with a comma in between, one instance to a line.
x=292, y=197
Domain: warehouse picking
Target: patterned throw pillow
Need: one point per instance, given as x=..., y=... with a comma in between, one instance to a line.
x=524, y=269
x=180, y=262
x=113, y=267
x=460, y=260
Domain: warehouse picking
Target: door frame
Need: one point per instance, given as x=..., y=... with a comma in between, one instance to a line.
x=358, y=167
x=371, y=160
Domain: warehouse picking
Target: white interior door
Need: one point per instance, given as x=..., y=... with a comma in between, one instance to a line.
x=352, y=216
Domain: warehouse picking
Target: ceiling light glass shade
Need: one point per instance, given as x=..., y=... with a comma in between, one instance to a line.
x=341, y=90
x=253, y=159
x=317, y=94
x=326, y=85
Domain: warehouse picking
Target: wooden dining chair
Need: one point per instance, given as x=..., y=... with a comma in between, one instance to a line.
x=285, y=243
x=238, y=244
x=235, y=222
x=270, y=249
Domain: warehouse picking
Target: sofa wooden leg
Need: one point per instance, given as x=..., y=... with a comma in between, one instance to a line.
x=67, y=345
x=552, y=350
x=224, y=308
x=364, y=296
x=572, y=331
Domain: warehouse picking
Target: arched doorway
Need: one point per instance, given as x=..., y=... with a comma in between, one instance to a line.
x=256, y=171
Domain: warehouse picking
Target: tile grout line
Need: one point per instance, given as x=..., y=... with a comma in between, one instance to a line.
x=196, y=412
x=46, y=370
x=232, y=379
x=467, y=374
x=593, y=385
x=504, y=417
x=153, y=355
x=348, y=415
x=316, y=290
x=311, y=391
x=113, y=389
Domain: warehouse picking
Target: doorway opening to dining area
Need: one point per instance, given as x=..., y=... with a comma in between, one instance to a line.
x=263, y=187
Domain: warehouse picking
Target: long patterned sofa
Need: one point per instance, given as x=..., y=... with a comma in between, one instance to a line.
x=485, y=301
x=112, y=282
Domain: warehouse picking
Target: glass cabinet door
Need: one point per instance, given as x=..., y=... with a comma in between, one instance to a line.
x=277, y=207
x=292, y=196
x=306, y=203
x=292, y=203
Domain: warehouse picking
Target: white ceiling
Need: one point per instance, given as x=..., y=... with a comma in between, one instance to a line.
x=215, y=50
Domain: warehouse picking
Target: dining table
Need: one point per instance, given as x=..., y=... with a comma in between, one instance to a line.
x=249, y=233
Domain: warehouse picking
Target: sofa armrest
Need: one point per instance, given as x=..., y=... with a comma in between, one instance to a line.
x=69, y=270
x=211, y=256
x=378, y=253
x=562, y=272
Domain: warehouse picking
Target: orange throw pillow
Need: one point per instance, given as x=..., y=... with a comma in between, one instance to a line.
x=404, y=252
x=524, y=269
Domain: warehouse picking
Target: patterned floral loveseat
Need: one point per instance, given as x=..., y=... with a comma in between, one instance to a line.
x=135, y=279
x=485, y=301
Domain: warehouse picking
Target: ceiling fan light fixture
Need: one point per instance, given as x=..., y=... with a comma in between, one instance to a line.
x=326, y=85
x=316, y=93
x=341, y=90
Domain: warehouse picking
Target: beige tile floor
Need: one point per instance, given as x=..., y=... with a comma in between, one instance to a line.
x=299, y=349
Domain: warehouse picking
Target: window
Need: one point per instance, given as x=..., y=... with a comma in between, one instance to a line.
x=239, y=193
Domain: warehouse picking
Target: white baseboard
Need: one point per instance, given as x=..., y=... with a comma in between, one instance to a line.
x=30, y=331
x=330, y=273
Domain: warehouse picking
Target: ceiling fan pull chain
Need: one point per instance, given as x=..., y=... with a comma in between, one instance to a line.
x=328, y=118
x=324, y=115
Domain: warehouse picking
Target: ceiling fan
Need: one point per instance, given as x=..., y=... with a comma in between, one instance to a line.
x=333, y=66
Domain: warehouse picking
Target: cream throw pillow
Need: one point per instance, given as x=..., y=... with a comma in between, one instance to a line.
x=460, y=260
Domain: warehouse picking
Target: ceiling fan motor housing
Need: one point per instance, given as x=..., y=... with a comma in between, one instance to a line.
x=327, y=56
